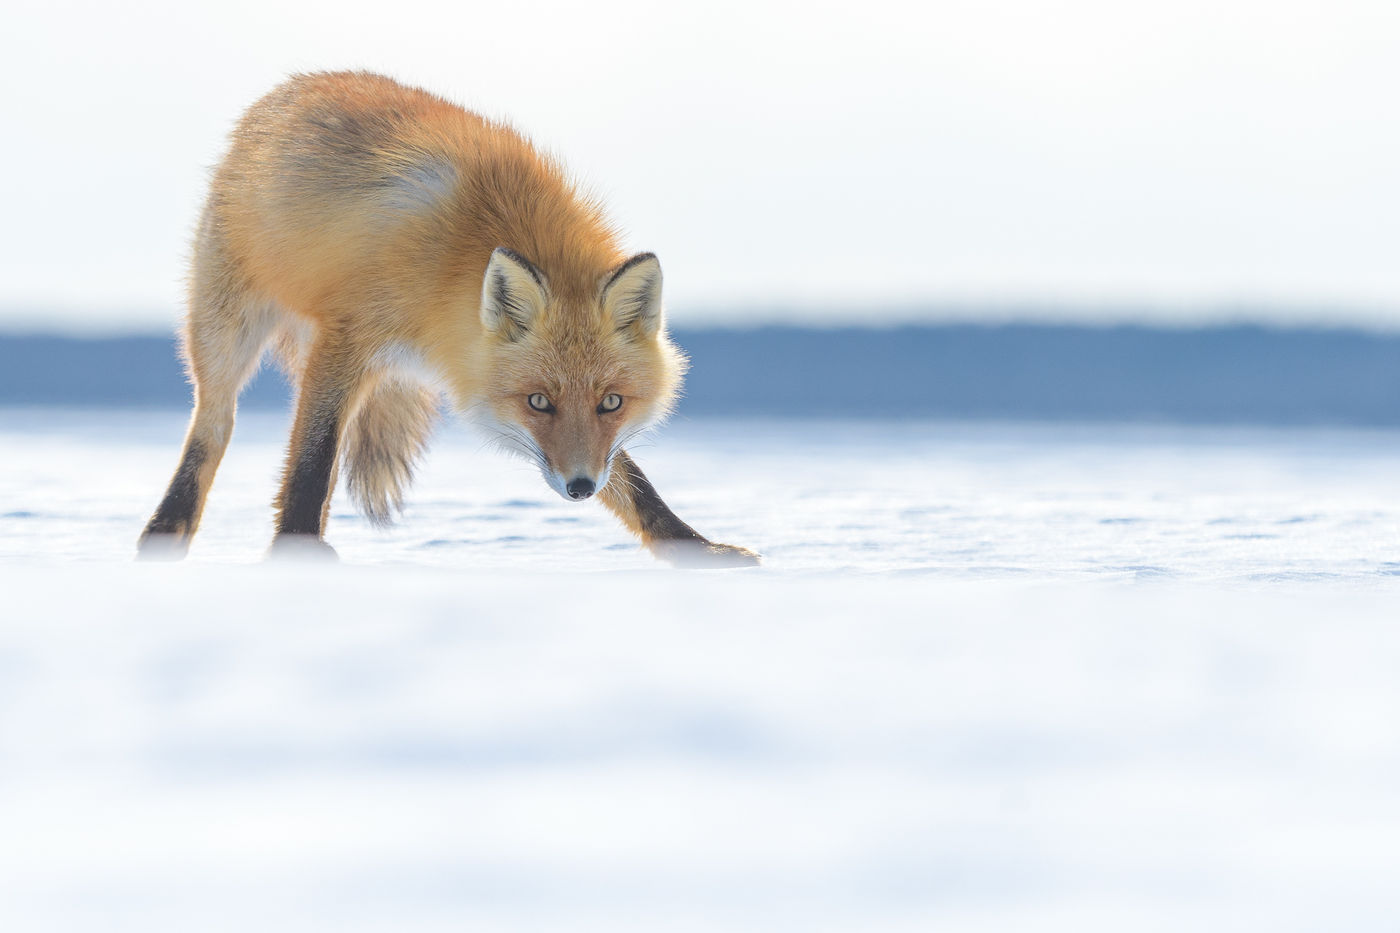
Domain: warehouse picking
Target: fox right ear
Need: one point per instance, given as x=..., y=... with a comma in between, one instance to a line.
x=512, y=293
x=632, y=295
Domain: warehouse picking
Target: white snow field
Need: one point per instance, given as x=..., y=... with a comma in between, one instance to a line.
x=991, y=678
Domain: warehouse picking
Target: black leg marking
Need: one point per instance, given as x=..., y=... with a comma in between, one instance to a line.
x=310, y=481
x=668, y=536
x=167, y=533
x=658, y=521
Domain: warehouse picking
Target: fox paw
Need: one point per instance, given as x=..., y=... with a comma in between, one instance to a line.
x=301, y=547
x=706, y=555
x=159, y=545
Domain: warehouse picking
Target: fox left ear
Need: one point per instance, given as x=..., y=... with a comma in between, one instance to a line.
x=512, y=293
x=632, y=295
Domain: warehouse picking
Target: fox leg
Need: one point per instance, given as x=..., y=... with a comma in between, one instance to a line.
x=329, y=386
x=630, y=496
x=223, y=341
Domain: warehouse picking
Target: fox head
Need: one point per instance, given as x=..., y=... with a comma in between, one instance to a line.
x=574, y=377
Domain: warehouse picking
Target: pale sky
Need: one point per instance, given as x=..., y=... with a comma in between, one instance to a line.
x=847, y=162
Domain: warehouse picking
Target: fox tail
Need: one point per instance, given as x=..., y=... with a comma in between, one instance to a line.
x=383, y=442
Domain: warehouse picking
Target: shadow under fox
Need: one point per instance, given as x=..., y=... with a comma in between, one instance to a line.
x=393, y=248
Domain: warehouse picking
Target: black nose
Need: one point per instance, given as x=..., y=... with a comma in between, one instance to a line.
x=580, y=488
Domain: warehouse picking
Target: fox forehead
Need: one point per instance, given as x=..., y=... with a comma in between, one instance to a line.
x=581, y=362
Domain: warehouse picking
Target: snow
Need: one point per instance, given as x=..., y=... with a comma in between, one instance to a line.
x=956, y=501
x=991, y=677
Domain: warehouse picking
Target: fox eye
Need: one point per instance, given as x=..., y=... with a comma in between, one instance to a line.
x=611, y=402
x=540, y=403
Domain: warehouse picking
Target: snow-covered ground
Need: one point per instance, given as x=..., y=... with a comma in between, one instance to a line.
x=991, y=678
x=951, y=501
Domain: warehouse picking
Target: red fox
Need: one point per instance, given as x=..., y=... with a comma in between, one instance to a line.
x=395, y=248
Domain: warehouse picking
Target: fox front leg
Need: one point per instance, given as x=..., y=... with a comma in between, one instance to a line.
x=630, y=495
x=303, y=502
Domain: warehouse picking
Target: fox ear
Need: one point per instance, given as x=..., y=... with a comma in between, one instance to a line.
x=512, y=293
x=632, y=295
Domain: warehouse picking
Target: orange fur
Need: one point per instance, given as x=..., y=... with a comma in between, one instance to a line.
x=392, y=245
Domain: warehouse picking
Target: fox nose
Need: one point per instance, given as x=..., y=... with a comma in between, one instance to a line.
x=580, y=487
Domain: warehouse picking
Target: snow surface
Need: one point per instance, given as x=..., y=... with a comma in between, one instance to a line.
x=948, y=500
x=991, y=678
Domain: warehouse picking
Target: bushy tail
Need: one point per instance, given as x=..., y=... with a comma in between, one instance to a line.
x=383, y=441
